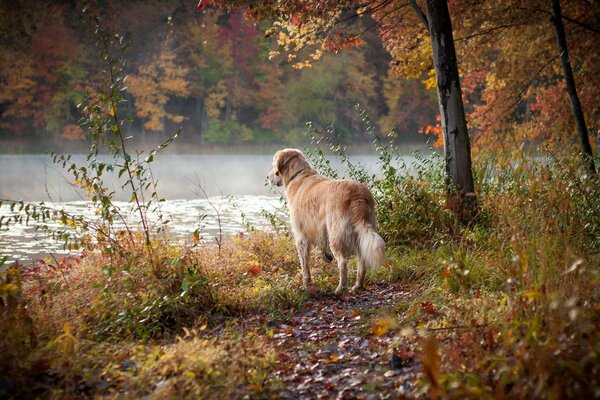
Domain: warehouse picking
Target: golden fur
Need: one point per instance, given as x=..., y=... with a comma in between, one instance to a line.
x=339, y=214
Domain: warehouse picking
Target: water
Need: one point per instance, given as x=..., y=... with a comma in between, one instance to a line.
x=196, y=189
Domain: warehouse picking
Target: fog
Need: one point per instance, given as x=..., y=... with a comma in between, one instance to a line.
x=36, y=178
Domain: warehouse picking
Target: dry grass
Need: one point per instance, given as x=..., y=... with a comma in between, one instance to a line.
x=513, y=303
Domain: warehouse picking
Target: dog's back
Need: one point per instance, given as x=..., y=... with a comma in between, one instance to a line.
x=340, y=213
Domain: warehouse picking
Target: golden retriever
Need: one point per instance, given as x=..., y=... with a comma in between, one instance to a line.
x=339, y=214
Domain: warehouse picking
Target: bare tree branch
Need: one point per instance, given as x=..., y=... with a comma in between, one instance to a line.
x=420, y=13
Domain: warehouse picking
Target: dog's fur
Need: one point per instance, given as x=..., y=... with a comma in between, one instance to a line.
x=339, y=214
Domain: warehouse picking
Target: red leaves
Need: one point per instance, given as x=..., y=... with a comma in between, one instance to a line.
x=339, y=42
x=42, y=269
x=295, y=20
x=254, y=270
x=427, y=308
x=202, y=4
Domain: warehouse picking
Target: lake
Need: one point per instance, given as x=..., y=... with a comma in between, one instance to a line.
x=193, y=186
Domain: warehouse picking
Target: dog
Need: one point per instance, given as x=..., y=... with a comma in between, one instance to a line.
x=334, y=214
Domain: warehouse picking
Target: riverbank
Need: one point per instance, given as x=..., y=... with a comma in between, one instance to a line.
x=507, y=307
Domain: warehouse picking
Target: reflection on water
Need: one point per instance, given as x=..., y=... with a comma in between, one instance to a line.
x=217, y=215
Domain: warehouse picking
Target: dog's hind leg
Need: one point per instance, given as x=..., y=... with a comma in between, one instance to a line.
x=360, y=276
x=343, y=268
x=303, y=251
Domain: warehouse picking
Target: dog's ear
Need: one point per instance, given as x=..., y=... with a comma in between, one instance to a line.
x=285, y=158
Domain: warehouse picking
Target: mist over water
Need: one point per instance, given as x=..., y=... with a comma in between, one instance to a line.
x=231, y=184
x=36, y=178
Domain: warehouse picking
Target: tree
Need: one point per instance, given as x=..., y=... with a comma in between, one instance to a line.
x=155, y=84
x=457, y=147
x=512, y=76
x=301, y=24
x=40, y=67
x=571, y=88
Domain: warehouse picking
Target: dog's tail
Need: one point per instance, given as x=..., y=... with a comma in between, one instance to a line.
x=371, y=246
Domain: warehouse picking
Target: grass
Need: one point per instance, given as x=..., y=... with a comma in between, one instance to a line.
x=507, y=308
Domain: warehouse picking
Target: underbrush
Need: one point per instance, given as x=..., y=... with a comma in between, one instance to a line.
x=188, y=304
x=144, y=295
x=505, y=308
x=512, y=301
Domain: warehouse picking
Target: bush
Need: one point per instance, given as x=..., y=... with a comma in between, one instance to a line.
x=227, y=132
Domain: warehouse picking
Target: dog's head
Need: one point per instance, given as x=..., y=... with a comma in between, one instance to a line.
x=286, y=164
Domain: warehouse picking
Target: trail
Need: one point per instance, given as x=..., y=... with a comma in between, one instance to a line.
x=331, y=350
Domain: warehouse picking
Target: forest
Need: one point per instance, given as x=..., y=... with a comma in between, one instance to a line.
x=490, y=287
x=211, y=73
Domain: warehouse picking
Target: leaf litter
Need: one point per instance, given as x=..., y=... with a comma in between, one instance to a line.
x=334, y=350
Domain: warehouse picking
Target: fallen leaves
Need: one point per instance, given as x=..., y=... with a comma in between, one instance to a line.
x=431, y=365
x=332, y=349
x=427, y=307
x=382, y=326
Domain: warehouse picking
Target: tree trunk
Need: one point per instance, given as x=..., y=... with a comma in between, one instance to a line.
x=574, y=102
x=457, y=147
x=201, y=118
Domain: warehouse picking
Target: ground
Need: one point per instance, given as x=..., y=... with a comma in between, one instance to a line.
x=330, y=350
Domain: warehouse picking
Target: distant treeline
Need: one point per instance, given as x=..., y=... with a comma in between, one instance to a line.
x=211, y=73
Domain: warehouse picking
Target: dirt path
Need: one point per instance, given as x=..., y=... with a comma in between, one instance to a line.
x=333, y=349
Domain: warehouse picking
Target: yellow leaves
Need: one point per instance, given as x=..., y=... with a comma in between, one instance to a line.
x=261, y=286
x=153, y=86
x=302, y=65
x=67, y=341
x=316, y=55
x=431, y=361
x=532, y=294
x=8, y=289
x=493, y=82
x=294, y=36
x=273, y=54
x=215, y=101
x=383, y=325
x=362, y=10
x=431, y=81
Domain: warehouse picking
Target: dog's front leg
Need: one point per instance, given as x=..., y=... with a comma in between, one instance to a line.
x=303, y=247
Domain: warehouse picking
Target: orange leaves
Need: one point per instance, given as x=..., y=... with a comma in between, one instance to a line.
x=72, y=132
x=339, y=42
x=431, y=361
x=435, y=130
x=155, y=84
x=382, y=326
x=254, y=269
